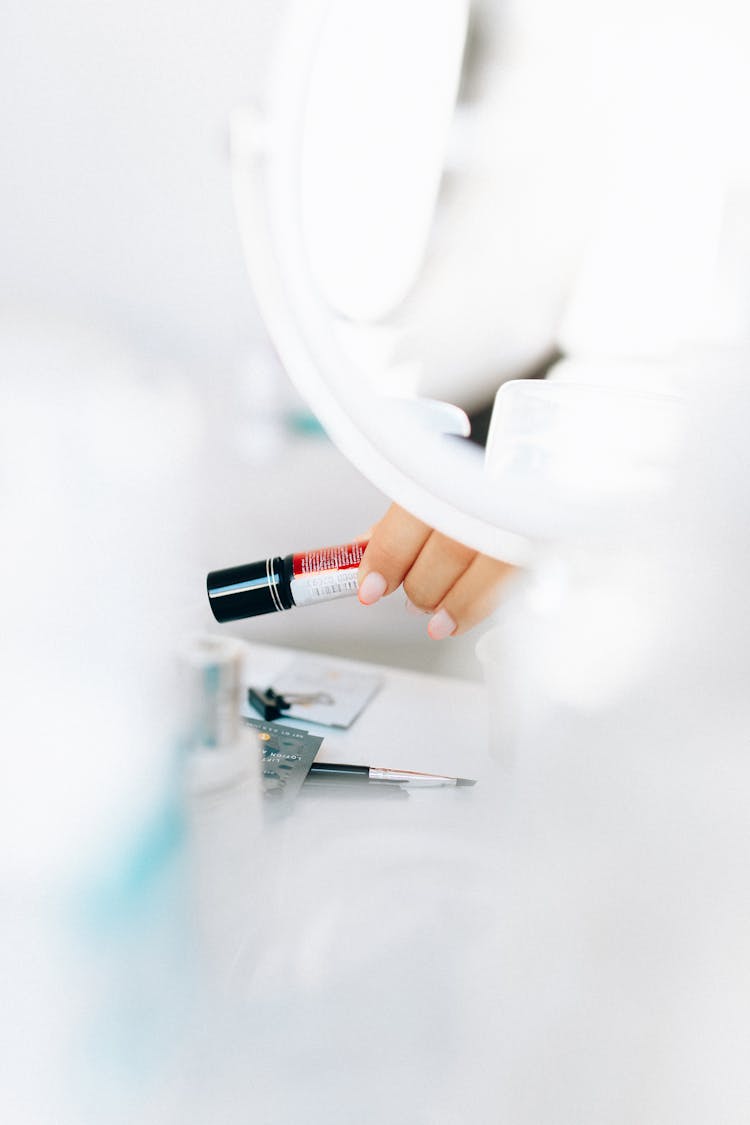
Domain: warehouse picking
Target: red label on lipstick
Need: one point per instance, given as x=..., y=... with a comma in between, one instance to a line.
x=347, y=557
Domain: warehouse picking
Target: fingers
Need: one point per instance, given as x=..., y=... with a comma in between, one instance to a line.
x=471, y=598
x=393, y=547
x=439, y=565
x=454, y=584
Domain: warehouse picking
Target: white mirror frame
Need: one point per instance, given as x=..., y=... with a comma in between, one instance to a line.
x=457, y=499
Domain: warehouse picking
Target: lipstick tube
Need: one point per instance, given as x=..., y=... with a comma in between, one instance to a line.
x=278, y=583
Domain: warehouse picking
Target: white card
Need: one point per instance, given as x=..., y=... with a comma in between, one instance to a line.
x=324, y=692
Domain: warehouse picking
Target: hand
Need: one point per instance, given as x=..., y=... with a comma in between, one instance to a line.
x=458, y=587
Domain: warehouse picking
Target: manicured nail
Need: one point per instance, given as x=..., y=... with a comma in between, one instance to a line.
x=372, y=589
x=441, y=625
x=412, y=609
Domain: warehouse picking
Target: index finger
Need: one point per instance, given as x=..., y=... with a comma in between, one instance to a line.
x=394, y=545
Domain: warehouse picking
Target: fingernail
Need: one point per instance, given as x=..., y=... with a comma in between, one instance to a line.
x=441, y=625
x=373, y=588
x=411, y=608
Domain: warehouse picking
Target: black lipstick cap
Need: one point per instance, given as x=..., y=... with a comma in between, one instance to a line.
x=249, y=590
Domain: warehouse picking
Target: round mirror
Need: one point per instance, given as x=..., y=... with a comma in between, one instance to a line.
x=337, y=187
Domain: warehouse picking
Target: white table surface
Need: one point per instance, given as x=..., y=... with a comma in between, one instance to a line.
x=527, y=950
x=436, y=724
